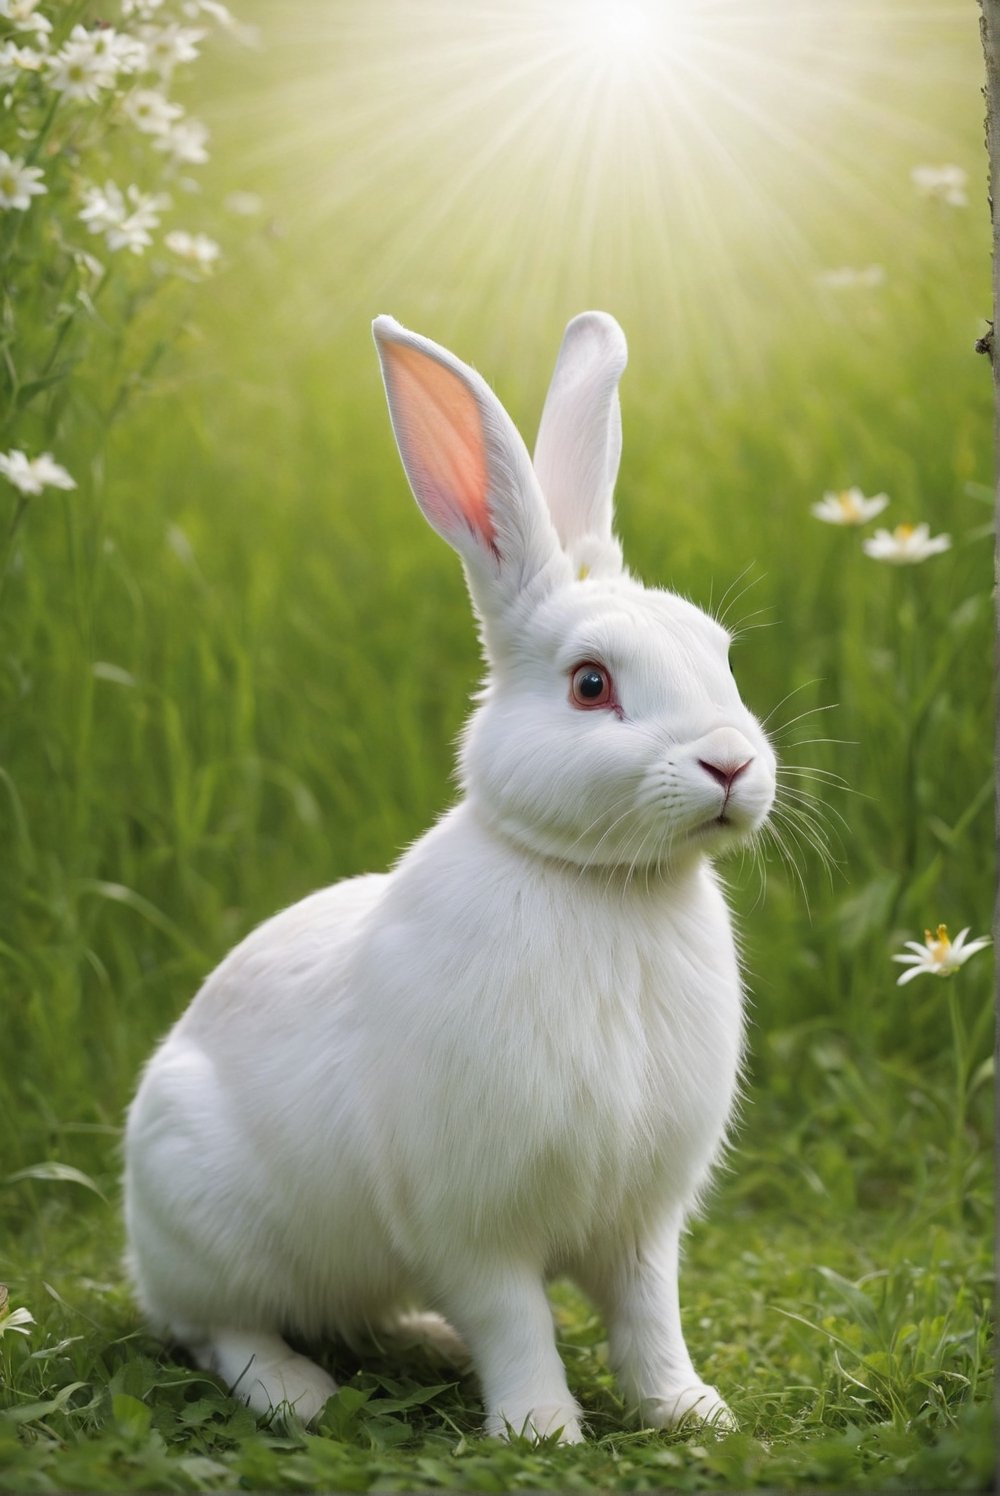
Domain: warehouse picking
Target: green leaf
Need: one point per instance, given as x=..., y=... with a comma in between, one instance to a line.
x=32, y=1412
x=341, y=1416
x=415, y=1399
x=864, y=1310
x=53, y=1172
x=34, y=387
x=131, y=1416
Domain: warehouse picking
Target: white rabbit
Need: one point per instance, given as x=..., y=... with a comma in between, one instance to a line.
x=515, y=1055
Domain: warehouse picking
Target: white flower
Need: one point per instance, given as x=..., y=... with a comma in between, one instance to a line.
x=125, y=225
x=31, y=475
x=197, y=249
x=166, y=46
x=185, y=143
x=18, y=183
x=150, y=111
x=78, y=71
x=223, y=17
x=103, y=207
x=22, y=16
x=938, y=956
x=90, y=60
x=15, y=1319
x=144, y=9
x=847, y=278
x=15, y=60
x=218, y=13
x=944, y=182
x=128, y=54
x=905, y=545
x=849, y=507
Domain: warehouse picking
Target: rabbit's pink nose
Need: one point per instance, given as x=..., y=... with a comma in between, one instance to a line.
x=726, y=773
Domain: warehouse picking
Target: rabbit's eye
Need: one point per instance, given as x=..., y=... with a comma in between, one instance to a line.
x=590, y=686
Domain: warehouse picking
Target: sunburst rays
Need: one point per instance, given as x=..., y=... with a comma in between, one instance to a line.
x=657, y=155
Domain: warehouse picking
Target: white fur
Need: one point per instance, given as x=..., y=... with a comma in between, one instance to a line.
x=515, y=1055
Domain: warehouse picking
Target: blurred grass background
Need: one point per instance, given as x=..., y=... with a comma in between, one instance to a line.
x=232, y=665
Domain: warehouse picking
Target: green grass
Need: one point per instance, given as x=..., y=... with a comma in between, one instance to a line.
x=231, y=669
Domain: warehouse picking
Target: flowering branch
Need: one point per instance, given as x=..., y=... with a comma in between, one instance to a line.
x=90, y=99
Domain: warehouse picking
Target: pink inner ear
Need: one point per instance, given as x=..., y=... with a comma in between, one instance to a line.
x=441, y=437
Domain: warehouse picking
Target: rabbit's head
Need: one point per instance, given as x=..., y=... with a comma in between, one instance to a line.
x=610, y=731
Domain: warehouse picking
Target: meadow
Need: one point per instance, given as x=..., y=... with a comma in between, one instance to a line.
x=234, y=661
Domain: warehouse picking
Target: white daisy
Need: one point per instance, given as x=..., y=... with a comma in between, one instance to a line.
x=185, y=143
x=15, y=60
x=196, y=249
x=91, y=59
x=32, y=474
x=218, y=13
x=905, y=545
x=849, y=507
x=938, y=956
x=150, y=111
x=125, y=225
x=944, y=182
x=144, y=9
x=23, y=16
x=127, y=52
x=247, y=35
x=19, y=183
x=166, y=46
x=77, y=71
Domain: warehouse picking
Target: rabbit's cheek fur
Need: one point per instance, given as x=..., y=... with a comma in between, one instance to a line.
x=581, y=801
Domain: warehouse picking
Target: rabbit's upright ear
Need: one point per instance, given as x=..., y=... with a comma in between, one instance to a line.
x=580, y=441
x=470, y=472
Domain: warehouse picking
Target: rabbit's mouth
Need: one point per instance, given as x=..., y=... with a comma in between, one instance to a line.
x=722, y=824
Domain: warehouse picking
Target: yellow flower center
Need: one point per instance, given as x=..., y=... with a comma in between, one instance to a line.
x=903, y=532
x=849, y=506
x=940, y=945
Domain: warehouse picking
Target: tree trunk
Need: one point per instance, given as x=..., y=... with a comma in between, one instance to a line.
x=989, y=25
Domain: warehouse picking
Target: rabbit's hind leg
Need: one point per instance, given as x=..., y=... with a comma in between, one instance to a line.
x=426, y=1331
x=260, y=1369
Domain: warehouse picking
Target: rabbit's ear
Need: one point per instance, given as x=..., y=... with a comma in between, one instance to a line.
x=469, y=470
x=580, y=441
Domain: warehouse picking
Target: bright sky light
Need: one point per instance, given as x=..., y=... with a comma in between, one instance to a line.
x=570, y=150
x=619, y=28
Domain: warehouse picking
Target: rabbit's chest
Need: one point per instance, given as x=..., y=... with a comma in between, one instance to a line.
x=614, y=1096
x=567, y=1069
x=638, y=1103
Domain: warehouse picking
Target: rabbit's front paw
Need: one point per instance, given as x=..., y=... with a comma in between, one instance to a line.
x=266, y=1374
x=698, y=1403
x=539, y=1422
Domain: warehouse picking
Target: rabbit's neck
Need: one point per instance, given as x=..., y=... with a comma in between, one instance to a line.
x=616, y=879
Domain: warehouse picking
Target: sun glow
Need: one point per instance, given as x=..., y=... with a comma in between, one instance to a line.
x=616, y=29
x=677, y=155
